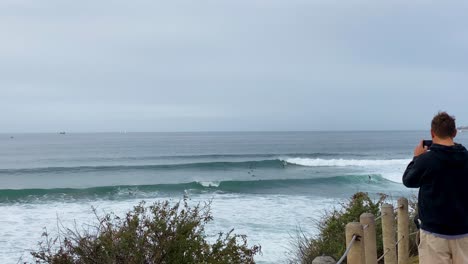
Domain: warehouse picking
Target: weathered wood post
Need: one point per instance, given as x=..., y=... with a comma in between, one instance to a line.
x=370, y=245
x=388, y=233
x=356, y=254
x=403, y=231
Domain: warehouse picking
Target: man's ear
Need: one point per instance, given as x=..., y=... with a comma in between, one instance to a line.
x=455, y=133
x=432, y=134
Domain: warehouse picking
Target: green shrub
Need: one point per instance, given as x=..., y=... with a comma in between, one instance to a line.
x=330, y=240
x=159, y=233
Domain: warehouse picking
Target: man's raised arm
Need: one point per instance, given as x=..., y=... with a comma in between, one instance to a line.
x=412, y=177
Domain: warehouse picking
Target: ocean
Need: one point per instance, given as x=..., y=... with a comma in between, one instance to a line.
x=267, y=185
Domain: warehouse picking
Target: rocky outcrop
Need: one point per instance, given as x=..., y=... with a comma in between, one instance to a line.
x=324, y=260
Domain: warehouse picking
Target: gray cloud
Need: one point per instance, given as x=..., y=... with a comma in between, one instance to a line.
x=230, y=65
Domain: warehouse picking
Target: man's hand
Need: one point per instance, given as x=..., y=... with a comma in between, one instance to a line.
x=420, y=149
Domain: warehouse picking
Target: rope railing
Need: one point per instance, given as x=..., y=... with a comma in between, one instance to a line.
x=398, y=242
x=347, y=250
x=380, y=216
x=388, y=249
x=398, y=208
x=381, y=257
x=364, y=227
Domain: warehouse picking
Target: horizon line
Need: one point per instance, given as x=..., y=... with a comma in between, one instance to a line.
x=217, y=131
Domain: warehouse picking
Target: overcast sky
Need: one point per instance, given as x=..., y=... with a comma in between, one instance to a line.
x=220, y=65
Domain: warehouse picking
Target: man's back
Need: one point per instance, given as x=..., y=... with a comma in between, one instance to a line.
x=442, y=176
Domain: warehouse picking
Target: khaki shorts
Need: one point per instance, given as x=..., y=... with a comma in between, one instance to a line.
x=436, y=250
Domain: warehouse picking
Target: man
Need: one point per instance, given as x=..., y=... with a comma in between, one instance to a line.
x=441, y=173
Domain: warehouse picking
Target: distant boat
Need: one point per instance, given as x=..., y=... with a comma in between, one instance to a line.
x=62, y=133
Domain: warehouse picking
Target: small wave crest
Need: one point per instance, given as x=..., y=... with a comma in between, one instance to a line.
x=210, y=183
x=145, y=191
x=218, y=165
x=266, y=164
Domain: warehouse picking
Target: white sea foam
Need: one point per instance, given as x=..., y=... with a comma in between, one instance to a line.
x=390, y=169
x=345, y=162
x=266, y=220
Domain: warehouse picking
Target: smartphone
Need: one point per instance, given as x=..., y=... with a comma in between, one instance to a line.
x=427, y=143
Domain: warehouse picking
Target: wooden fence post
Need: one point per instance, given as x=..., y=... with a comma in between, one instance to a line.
x=356, y=254
x=388, y=232
x=370, y=245
x=403, y=231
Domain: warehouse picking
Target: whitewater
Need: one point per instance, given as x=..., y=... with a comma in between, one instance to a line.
x=266, y=185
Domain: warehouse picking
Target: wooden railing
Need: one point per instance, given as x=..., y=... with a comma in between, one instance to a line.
x=361, y=244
